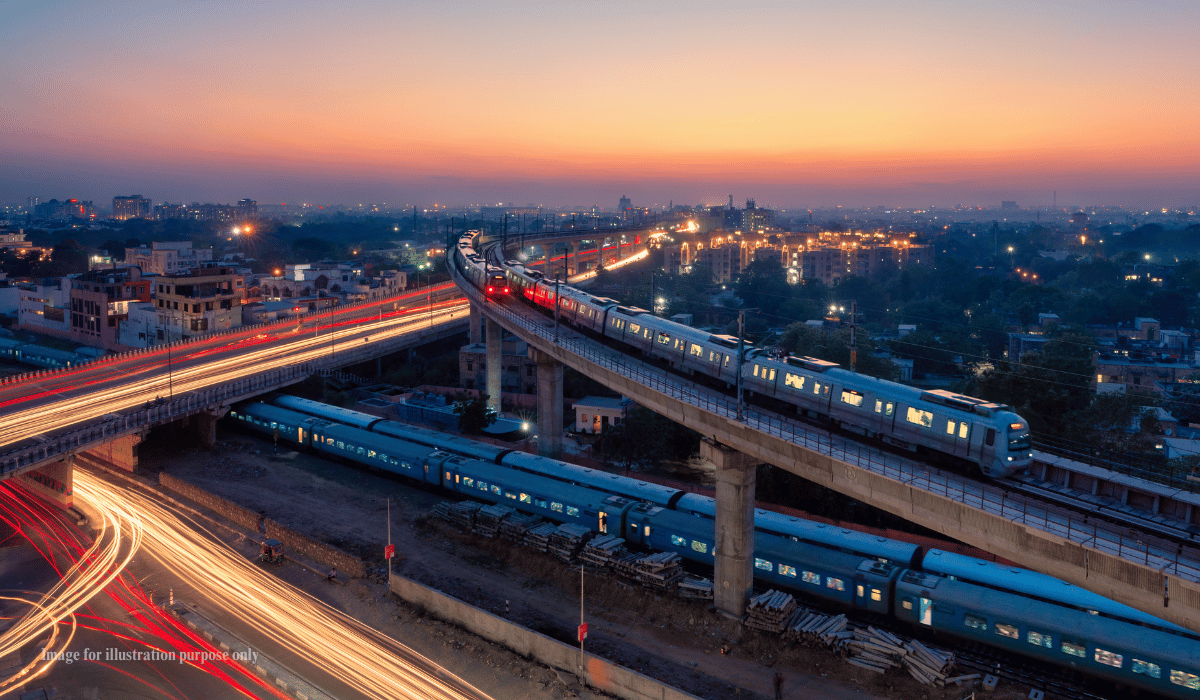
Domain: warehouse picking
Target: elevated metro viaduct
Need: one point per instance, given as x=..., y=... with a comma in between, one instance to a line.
x=735, y=447
x=47, y=466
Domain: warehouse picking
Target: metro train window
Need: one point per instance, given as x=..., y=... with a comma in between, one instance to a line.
x=362, y=450
x=329, y=441
x=1187, y=680
x=1074, y=650
x=1007, y=631
x=497, y=490
x=835, y=583
x=813, y=578
x=852, y=397
x=962, y=430
x=876, y=595
x=372, y=453
x=918, y=417
x=556, y=507
x=789, y=571
x=889, y=409
x=793, y=380
x=1039, y=639
x=763, y=564
x=635, y=328
x=1108, y=658
x=664, y=339
x=405, y=465
x=696, y=350
x=510, y=494
x=975, y=623
x=756, y=370
x=526, y=498
x=1146, y=668
x=772, y=377
x=816, y=387
x=950, y=426
x=468, y=481
x=540, y=503
x=678, y=541
x=384, y=458
x=573, y=511
x=991, y=437
x=341, y=445
x=700, y=546
x=483, y=486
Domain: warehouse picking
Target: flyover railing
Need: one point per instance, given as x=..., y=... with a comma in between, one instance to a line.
x=1154, y=552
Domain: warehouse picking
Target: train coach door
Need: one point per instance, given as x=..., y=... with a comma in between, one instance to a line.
x=602, y=526
x=925, y=614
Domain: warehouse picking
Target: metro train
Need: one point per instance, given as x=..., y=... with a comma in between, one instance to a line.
x=987, y=436
x=1015, y=609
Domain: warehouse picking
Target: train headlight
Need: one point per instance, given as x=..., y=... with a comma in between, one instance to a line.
x=1010, y=458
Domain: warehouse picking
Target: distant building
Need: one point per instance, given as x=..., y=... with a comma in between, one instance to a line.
x=595, y=413
x=43, y=307
x=246, y=209
x=199, y=301
x=166, y=210
x=625, y=204
x=15, y=241
x=100, y=302
x=345, y=280
x=1021, y=343
x=134, y=206
x=167, y=257
x=518, y=374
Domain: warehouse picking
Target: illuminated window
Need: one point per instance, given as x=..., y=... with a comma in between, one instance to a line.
x=510, y=494
x=962, y=430
x=1074, y=650
x=556, y=507
x=950, y=428
x=852, y=397
x=700, y=546
x=763, y=564
x=810, y=577
x=483, y=486
x=793, y=380
x=664, y=339
x=816, y=387
x=789, y=571
x=975, y=623
x=341, y=445
x=573, y=511
x=876, y=595
x=1039, y=639
x=906, y=604
x=678, y=541
x=918, y=417
x=1108, y=658
x=695, y=350
x=1187, y=680
x=635, y=328
x=756, y=370
x=772, y=377
x=468, y=481
x=526, y=498
x=835, y=583
x=1146, y=668
x=497, y=490
x=889, y=409
x=1007, y=631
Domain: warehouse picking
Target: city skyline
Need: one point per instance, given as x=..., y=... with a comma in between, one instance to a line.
x=912, y=105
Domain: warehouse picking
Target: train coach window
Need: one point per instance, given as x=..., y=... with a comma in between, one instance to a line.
x=574, y=513
x=540, y=503
x=510, y=494
x=483, y=486
x=950, y=426
x=700, y=546
x=975, y=623
x=557, y=508
x=678, y=541
x=816, y=387
x=789, y=571
x=361, y=450
x=1007, y=631
x=813, y=578
x=696, y=350
x=835, y=583
x=372, y=453
x=918, y=417
x=635, y=328
x=1039, y=639
x=770, y=378
x=962, y=429
x=991, y=437
x=1074, y=650
x=852, y=397
x=497, y=490
x=876, y=595
x=1187, y=680
x=468, y=481
x=756, y=370
x=664, y=339
x=341, y=445
x=763, y=564
x=793, y=380
x=1108, y=658
x=1146, y=668
x=526, y=498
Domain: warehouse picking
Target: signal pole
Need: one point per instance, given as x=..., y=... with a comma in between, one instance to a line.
x=853, y=346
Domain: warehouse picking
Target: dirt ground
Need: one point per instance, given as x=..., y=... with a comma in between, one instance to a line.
x=675, y=641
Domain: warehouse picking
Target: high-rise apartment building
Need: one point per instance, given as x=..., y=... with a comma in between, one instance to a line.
x=134, y=206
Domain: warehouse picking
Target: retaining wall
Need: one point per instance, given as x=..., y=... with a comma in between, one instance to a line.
x=596, y=672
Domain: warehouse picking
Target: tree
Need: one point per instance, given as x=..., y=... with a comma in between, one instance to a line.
x=833, y=344
x=473, y=413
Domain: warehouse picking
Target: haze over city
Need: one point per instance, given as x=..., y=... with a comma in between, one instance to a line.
x=906, y=104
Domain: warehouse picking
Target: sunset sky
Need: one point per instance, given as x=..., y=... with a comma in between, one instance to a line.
x=795, y=103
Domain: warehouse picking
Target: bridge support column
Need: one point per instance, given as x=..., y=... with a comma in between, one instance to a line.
x=119, y=453
x=54, y=483
x=476, y=336
x=734, y=531
x=206, y=424
x=549, y=403
x=495, y=362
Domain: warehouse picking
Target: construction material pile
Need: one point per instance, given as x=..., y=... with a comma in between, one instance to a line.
x=625, y=565
x=877, y=650
x=600, y=550
x=460, y=514
x=514, y=527
x=695, y=588
x=538, y=536
x=487, y=520
x=770, y=611
x=661, y=571
x=566, y=541
x=809, y=628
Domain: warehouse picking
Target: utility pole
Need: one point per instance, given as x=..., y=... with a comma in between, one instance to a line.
x=853, y=346
x=389, y=529
x=653, y=294
x=582, y=629
x=556, y=306
x=741, y=353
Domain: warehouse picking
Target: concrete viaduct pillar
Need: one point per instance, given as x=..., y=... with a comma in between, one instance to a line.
x=119, y=453
x=54, y=483
x=734, y=527
x=473, y=323
x=549, y=403
x=206, y=424
x=495, y=362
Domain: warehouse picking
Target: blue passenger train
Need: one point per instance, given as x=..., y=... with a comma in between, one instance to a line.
x=1019, y=610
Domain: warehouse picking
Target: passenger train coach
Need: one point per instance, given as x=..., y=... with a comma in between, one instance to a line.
x=1019, y=610
x=989, y=436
